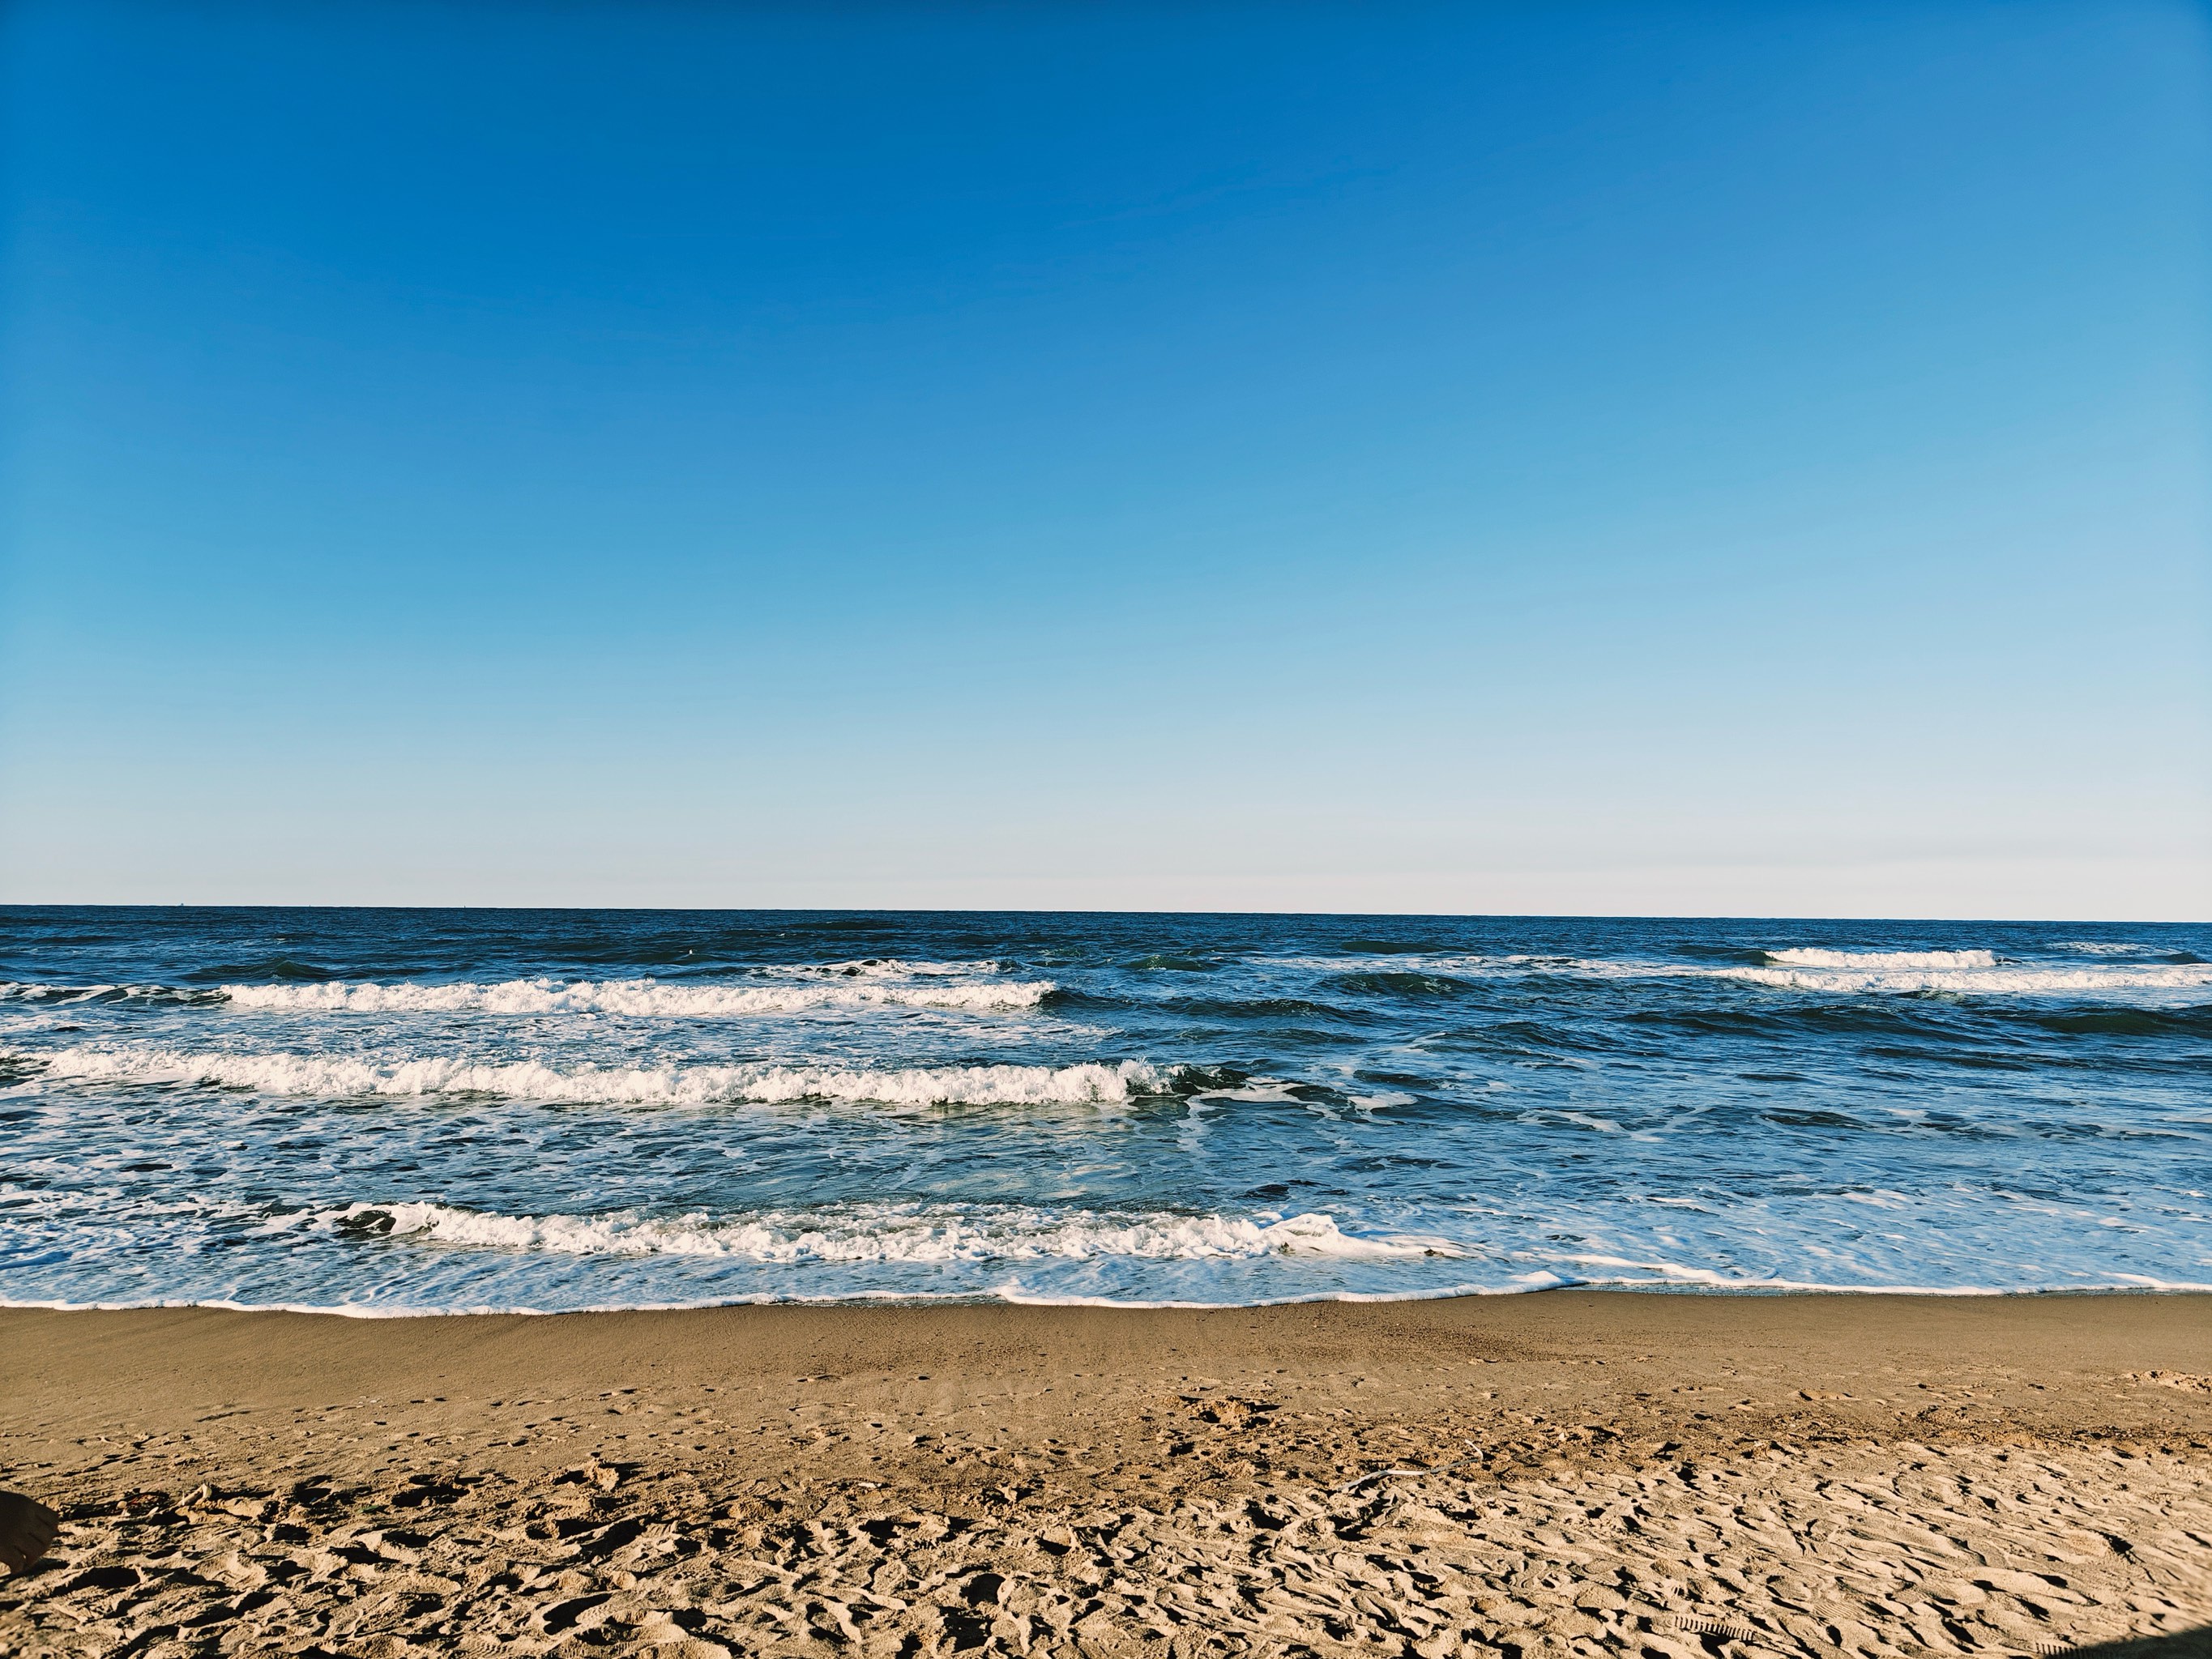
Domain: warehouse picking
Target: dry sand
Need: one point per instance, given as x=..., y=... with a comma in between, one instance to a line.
x=1670, y=1475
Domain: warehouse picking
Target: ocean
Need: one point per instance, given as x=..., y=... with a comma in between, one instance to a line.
x=389, y=1111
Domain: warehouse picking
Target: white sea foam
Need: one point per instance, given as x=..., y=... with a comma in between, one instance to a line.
x=881, y=1233
x=1813, y=968
x=1885, y=961
x=1964, y=972
x=1868, y=974
x=1013, y=1292
x=1464, y=966
x=648, y=998
x=15, y=991
x=330, y=1075
x=881, y=968
x=1257, y=1090
x=63, y=995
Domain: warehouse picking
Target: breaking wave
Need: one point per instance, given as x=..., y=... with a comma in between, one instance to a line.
x=1888, y=960
x=826, y=988
x=880, y=1233
x=567, y=1110
x=62, y=996
x=1961, y=972
x=2096, y=947
x=881, y=968
x=1092, y=1083
x=1808, y=969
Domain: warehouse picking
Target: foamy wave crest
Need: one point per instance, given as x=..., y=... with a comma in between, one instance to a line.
x=647, y=997
x=1807, y=968
x=881, y=968
x=1882, y=960
x=1092, y=1083
x=63, y=995
x=1902, y=976
x=880, y=1233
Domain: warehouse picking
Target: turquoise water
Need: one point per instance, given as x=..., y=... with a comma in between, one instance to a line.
x=390, y=1111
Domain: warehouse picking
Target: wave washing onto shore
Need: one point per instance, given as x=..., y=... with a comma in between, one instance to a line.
x=410, y=1256
x=876, y=1233
x=554, y=1110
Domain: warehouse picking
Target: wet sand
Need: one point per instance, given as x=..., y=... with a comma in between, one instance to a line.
x=1577, y=1472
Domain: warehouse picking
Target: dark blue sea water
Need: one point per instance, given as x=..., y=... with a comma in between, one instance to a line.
x=394, y=1111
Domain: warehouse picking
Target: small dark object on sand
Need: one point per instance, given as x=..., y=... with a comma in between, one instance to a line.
x=26, y=1529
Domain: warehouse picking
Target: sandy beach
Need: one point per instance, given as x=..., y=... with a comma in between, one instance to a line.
x=1585, y=1472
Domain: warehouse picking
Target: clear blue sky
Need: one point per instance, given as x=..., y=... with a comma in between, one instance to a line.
x=1660, y=458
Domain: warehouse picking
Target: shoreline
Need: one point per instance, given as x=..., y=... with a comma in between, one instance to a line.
x=861, y=1301
x=1808, y=1321
x=1835, y=1474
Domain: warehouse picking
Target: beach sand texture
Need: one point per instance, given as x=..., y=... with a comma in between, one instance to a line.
x=1670, y=1475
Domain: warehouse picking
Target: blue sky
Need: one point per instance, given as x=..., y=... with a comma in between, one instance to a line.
x=1649, y=459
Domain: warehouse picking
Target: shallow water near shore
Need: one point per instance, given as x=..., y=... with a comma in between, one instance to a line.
x=392, y=1111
